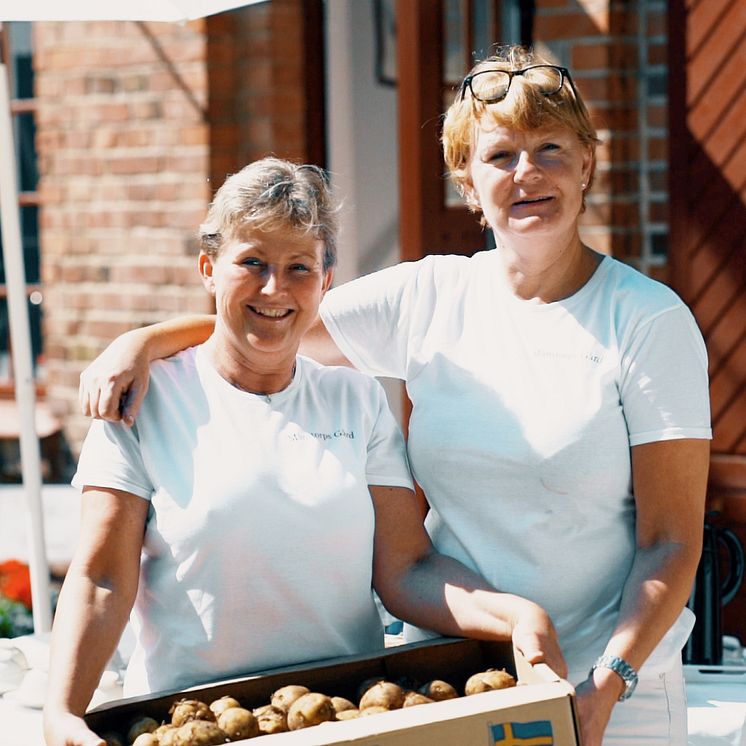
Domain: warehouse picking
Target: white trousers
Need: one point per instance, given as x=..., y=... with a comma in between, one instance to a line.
x=655, y=715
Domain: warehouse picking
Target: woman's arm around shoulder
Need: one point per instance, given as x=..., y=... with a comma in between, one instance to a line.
x=113, y=386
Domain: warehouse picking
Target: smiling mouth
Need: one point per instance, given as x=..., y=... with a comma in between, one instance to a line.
x=272, y=313
x=532, y=201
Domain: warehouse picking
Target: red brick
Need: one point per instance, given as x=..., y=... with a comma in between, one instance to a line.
x=565, y=26
x=590, y=56
x=656, y=23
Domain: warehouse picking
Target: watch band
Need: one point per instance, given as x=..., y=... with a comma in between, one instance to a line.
x=622, y=669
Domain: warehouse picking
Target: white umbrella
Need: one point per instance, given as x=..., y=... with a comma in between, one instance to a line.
x=53, y=10
x=114, y=10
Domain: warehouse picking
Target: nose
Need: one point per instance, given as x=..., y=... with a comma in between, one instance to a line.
x=273, y=281
x=525, y=167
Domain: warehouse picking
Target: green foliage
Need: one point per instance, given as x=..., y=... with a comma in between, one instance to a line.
x=15, y=619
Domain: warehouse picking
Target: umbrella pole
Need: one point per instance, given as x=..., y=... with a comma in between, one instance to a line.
x=15, y=278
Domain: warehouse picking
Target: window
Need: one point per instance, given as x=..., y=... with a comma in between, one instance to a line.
x=17, y=52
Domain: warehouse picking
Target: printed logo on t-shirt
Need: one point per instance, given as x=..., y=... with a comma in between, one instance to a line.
x=337, y=434
x=593, y=357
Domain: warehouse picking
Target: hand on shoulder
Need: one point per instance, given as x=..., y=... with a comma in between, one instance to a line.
x=113, y=386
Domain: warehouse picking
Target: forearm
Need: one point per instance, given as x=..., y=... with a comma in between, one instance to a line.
x=655, y=592
x=669, y=483
x=166, y=338
x=89, y=621
x=442, y=595
x=318, y=344
x=439, y=593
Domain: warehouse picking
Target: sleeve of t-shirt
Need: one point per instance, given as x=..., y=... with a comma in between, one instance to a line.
x=111, y=458
x=664, y=383
x=368, y=319
x=387, y=464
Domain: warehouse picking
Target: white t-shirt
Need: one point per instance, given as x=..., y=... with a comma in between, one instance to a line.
x=523, y=417
x=259, y=541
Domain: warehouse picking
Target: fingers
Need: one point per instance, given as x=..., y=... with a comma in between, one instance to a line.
x=131, y=402
x=100, y=399
x=537, y=650
x=113, y=398
x=84, y=395
x=535, y=636
x=110, y=396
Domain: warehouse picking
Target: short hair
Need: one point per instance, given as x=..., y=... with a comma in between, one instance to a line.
x=271, y=194
x=524, y=108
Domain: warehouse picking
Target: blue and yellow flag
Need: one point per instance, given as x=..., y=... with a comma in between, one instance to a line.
x=535, y=733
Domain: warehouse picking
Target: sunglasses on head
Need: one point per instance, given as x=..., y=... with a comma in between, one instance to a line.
x=491, y=86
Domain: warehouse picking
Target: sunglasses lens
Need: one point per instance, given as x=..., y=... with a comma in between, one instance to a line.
x=547, y=79
x=490, y=86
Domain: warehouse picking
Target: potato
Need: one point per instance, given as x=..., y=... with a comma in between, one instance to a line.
x=185, y=710
x=373, y=710
x=238, y=723
x=383, y=694
x=286, y=695
x=341, y=704
x=488, y=680
x=348, y=714
x=271, y=719
x=223, y=704
x=367, y=684
x=310, y=709
x=140, y=726
x=146, y=739
x=199, y=733
x=165, y=734
x=412, y=698
x=438, y=690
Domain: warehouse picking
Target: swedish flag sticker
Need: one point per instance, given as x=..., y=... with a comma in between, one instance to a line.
x=535, y=733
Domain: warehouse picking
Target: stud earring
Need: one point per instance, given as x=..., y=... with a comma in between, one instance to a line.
x=583, y=185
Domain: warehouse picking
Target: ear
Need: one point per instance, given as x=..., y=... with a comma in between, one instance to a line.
x=589, y=160
x=328, y=277
x=471, y=196
x=206, y=269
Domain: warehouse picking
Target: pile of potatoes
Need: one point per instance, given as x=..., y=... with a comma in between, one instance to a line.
x=292, y=707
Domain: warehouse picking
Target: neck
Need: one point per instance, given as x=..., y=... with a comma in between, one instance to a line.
x=547, y=273
x=252, y=374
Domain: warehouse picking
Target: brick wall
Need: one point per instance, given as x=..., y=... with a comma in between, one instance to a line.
x=123, y=159
x=259, y=98
x=617, y=52
x=138, y=123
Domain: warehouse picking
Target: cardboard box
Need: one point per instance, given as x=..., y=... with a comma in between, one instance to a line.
x=540, y=711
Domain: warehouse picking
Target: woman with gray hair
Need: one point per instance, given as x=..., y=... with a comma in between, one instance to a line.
x=261, y=496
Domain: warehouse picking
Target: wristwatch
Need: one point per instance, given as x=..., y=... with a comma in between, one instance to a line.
x=622, y=669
